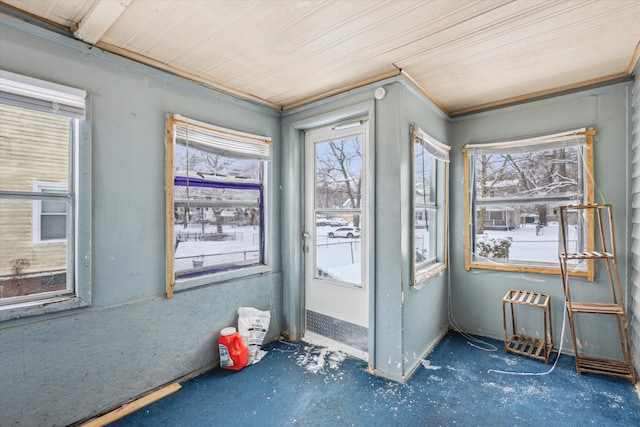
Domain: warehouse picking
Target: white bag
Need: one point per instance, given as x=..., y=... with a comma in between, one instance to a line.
x=253, y=325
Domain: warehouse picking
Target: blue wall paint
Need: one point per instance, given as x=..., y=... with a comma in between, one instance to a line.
x=292, y=176
x=477, y=294
x=403, y=331
x=424, y=317
x=79, y=363
x=57, y=369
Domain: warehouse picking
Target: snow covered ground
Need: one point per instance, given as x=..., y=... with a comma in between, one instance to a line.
x=540, y=247
x=245, y=246
x=340, y=258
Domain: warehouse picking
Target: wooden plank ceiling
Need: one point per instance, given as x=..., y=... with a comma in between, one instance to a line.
x=465, y=54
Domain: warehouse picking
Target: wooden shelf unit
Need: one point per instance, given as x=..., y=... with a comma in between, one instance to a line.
x=602, y=215
x=537, y=348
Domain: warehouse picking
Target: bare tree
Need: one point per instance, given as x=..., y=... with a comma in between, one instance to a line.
x=535, y=173
x=339, y=169
x=193, y=161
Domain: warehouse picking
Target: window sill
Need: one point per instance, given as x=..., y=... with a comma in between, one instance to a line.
x=531, y=269
x=43, y=306
x=217, y=278
x=422, y=276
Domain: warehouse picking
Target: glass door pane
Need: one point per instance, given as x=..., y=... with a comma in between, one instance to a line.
x=337, y=201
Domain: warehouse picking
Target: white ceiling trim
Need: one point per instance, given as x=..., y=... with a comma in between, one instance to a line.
x=99, y=19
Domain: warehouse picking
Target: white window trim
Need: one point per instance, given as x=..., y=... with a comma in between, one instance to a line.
x=440, y=154
x=429, y=208
x=78, y=104
x=326, y=133
x=38, y=187
x=41, y=95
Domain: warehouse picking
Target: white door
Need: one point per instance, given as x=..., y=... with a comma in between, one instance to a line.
x=336, y=288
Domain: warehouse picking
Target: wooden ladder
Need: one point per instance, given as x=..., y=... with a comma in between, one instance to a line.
x=602, y=214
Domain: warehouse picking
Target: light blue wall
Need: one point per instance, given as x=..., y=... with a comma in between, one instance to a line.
x=57, y=369
x=424, y=317
x=354, y=104
x=405, y=321
x=477, y=294
x=391, y=233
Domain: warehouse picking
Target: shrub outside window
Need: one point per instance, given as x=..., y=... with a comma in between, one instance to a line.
x=40, y=197
x=428, y=155
x=512, y=189
x=216, y=179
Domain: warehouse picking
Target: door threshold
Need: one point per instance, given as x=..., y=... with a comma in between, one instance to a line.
x=321, y=341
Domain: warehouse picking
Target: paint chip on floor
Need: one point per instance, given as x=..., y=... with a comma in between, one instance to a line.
x=319, y=359
x=427, y=364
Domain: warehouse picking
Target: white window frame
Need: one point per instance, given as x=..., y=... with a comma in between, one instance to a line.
x=218, y=140
x=56, y=188
x=439, y=158
x=351, y=128
x=26, y=92
x=581, y=138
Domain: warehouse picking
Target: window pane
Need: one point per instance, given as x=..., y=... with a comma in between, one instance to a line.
x=54, y=207
x=37, y=157
x=541, y=173
x=25, y=268
x=208, y=238
x=425, y=210
x=34, y=146
x=338, y=198
x=423, y=175
x=339, y=248
x=51, y=224
x=53, y=227
x=338, y=173
x=524, y=233
x=218, y=200
x=424, y=237
x=514, y=191
x=222, y=196
x=214, y=166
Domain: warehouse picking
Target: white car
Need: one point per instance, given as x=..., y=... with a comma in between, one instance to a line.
x=349, y=232
x=338, y=222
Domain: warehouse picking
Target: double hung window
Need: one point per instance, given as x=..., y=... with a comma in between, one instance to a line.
x=216, y=199
x=50, y=216
x=40, y=197
x=429, y=157
x=512, y=190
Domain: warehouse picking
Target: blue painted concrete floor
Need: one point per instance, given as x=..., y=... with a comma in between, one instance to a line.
x=298, y=385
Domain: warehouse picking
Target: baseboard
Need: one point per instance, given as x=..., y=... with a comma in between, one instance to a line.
x=418, y=363
x=181, y=379
x=406, y=377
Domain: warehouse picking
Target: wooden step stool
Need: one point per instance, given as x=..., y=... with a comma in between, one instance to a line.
x=520, y=344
